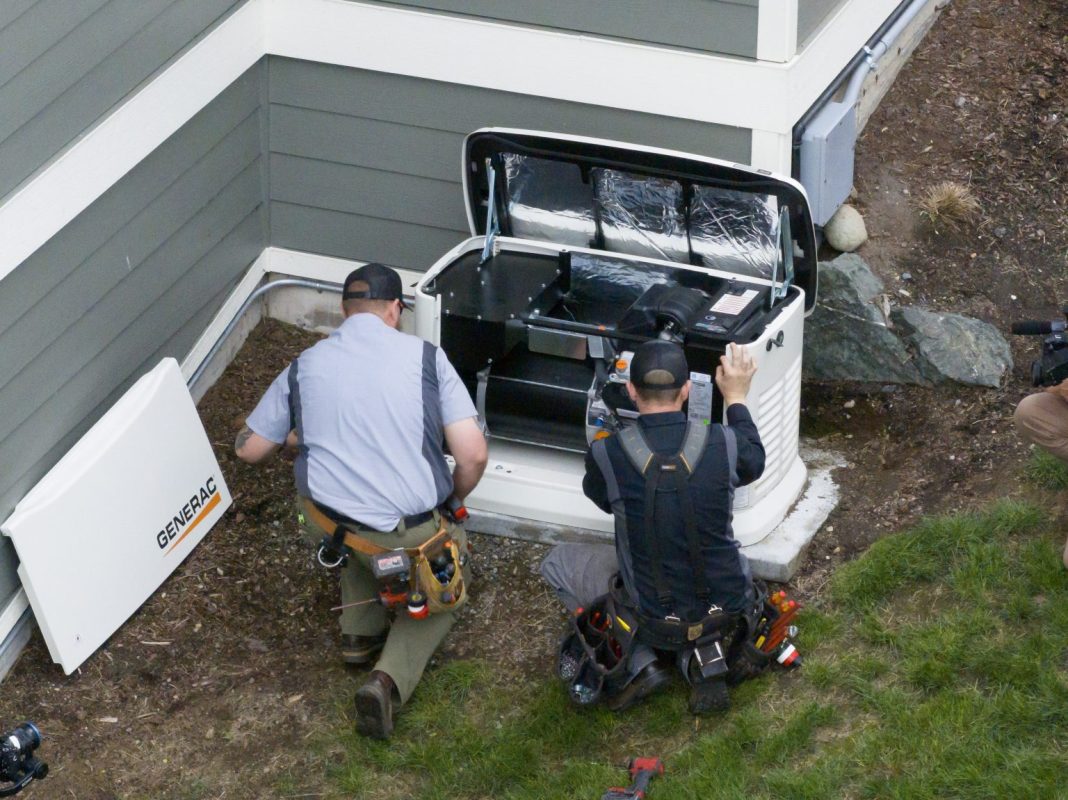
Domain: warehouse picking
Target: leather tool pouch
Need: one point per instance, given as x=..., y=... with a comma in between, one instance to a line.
x=438, y=572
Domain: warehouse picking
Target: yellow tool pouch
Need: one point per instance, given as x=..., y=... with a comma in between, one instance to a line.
x=437, y=570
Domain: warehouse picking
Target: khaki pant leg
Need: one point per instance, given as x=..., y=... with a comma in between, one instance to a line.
x=411, y=642
x=357, y=583
x=1042, y=419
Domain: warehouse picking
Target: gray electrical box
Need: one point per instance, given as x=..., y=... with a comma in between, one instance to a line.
x=827, y=149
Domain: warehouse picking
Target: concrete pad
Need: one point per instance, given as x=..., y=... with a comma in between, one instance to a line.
x=776, y=557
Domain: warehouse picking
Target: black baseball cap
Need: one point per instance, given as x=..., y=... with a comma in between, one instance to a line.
x=659, y=365
x=382, y=282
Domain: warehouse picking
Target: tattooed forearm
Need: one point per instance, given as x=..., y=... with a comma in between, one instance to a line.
x=242, y=437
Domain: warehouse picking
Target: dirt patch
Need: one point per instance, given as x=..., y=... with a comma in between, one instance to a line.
x=215, y=687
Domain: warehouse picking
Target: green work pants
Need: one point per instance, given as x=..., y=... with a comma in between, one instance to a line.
x=410, y=642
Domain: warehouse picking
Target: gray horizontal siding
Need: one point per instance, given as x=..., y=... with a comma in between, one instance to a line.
x=727, y=27
x=135, y=277
x=812, y=14
x=366, y=165
x=64, y=65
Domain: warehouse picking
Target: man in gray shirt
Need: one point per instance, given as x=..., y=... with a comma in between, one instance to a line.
x=367, y=409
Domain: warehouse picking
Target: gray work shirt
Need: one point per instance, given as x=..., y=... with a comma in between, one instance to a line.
x=369, y=405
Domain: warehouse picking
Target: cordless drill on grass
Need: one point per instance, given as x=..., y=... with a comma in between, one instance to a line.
x=642, y=772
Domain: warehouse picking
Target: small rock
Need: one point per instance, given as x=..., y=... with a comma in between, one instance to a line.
x=849, y=404
x=846, y=231
x=961, y=102
x=1001, y=231
x=906, y=276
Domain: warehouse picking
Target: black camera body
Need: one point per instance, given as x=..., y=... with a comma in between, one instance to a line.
x=1052, y=366
x=18, y=766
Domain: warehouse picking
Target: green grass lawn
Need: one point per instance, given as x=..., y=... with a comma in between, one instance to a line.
x=935, y=667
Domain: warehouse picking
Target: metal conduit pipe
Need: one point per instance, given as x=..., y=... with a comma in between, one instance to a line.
x=858, y=69
x=873, y=52
x=322, y=286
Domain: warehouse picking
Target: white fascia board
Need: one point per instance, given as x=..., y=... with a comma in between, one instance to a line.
x=776, y=30
x=543, y=63
x=102, y=156
x=754, y=95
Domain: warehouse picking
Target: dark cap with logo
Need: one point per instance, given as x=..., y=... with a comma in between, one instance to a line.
x=659, y=365
x=382, y=283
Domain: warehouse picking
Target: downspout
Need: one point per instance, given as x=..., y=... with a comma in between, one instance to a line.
x=858, y=69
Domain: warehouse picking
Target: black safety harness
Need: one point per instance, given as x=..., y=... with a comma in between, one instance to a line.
x=667, y=480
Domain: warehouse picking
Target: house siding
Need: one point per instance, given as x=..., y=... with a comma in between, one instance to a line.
x=366, y=165
x=64, y=65
x=135, y=277
x=725, y=27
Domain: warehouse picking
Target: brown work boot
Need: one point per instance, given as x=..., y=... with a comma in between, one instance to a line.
x=358, y=650
x=374, y=706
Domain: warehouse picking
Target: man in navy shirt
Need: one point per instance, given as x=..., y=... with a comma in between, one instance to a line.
x=676, y=556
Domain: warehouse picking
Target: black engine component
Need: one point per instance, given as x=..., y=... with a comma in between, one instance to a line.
x=664, y=310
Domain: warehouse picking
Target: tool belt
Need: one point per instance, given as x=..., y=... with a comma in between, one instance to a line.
x=670, y=633
x=443, y=592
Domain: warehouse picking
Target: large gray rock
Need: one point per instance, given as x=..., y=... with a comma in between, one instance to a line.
x=848, y=337
x=951, y=347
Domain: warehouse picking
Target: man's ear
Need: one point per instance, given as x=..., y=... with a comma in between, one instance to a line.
x=632, y=392
x=684, y=392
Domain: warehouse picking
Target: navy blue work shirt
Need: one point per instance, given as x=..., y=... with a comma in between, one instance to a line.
x=711, y=487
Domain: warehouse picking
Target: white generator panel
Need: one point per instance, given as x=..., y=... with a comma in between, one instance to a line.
x=114, y=518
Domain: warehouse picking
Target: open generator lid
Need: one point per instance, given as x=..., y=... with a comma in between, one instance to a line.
x=643, y=201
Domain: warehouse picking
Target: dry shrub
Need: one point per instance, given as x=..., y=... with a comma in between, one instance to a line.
x=949, y=205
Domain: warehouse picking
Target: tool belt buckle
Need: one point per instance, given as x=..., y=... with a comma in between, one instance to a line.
x=710, y=659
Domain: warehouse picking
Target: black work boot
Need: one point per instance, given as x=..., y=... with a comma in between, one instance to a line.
x=359, y=650
x=709, y=696
x=651, y=679
x=374, y=706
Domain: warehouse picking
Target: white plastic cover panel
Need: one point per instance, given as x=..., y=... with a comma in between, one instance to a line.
x=107, y=525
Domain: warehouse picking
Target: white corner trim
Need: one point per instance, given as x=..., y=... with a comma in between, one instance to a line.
x=755, y=95
x=776, y=30
x=94, y=163
x=772, y=151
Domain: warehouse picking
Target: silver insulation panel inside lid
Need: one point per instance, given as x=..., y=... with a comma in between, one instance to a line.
x=642, y=215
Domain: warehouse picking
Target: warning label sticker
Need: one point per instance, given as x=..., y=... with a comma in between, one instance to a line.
x=733, y=304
